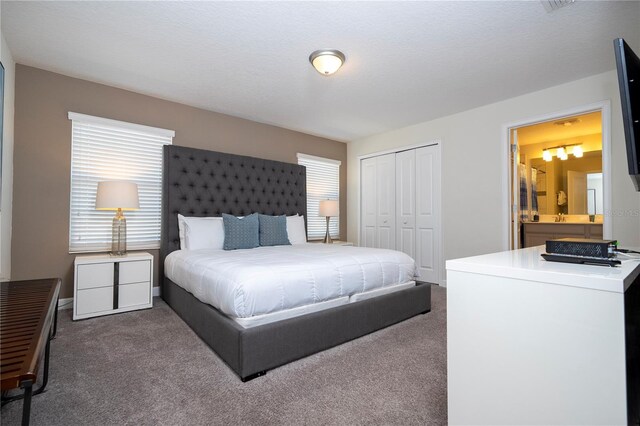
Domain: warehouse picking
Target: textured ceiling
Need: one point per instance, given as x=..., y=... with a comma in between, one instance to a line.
x=407, y=62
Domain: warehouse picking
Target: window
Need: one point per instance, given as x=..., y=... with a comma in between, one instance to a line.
x=323, y=183
x=103, y=149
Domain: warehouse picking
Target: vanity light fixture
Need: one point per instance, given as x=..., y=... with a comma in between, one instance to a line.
x=562, y=153
x=327, y=61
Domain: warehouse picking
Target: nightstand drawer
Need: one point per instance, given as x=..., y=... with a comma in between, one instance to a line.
x=134, y=272
x=94, y=300
x=134, y=294
x=95, y=275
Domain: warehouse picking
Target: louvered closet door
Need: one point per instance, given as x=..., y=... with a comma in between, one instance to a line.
x=427, y=217
x=368, y=214
x=386, y=201
x=406, y=202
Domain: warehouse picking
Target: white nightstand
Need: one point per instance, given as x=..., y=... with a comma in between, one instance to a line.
x=105, y=284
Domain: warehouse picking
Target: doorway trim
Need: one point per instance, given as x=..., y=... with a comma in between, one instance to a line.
x=605, y=109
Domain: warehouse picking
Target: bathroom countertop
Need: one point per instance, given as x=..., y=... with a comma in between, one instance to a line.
x=563, y=223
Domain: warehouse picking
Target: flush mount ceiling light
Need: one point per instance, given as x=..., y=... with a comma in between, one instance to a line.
x=327, y=61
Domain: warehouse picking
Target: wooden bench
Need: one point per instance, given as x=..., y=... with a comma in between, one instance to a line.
x=29, y=313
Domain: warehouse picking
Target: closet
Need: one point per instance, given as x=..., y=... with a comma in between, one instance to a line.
x=400, y=206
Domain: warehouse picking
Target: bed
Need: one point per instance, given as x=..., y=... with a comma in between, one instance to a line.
x=206, y=183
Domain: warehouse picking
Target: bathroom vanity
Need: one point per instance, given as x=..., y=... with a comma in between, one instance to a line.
x=537, y=233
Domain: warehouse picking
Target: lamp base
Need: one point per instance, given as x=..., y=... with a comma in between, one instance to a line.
x=327, y=237
x=119, y=235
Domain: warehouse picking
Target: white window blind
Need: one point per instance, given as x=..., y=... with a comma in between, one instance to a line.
x=323, y=183
x=102, y=150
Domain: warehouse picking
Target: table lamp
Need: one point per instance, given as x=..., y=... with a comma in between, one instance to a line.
x=118, y=195
x=328, y=209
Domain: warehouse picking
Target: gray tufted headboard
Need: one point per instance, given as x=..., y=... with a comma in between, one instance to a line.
x=198, y=182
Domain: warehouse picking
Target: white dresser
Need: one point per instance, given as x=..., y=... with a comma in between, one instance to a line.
x=105, y=284
x=537, y=342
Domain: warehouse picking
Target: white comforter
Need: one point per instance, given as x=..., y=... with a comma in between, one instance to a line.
x=244, y=283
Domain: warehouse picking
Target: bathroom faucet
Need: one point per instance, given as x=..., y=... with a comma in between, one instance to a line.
x=560, y=217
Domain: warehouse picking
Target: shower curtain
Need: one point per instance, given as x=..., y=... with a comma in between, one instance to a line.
x=524, y=193
x=528, y=193
x=534, y=192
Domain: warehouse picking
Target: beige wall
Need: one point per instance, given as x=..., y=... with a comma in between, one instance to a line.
x=473, y=171
x=42, y=157
x=7, y=163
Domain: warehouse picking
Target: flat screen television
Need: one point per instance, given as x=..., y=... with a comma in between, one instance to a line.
x=628, y=66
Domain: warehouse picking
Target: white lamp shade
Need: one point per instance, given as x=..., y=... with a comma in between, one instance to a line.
x=329, y=208
x=117, y=194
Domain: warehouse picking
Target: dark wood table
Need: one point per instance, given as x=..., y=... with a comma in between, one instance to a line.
x=28, y=317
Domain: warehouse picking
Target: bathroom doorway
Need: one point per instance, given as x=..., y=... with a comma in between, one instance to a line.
x=559, y=177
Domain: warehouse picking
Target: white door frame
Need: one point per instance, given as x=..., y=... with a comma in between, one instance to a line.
x=438, y=143
x=605, y=108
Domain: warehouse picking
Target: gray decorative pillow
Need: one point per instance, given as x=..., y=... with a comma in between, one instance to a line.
x=240, y=233
x=273, y=231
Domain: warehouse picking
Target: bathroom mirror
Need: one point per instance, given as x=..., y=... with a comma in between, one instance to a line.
x=579, y=179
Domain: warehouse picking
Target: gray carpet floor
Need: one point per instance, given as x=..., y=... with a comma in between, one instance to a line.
x=148, y=367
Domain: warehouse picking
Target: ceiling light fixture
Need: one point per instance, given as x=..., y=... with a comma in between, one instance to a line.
x=546, y=155
x=327, y=61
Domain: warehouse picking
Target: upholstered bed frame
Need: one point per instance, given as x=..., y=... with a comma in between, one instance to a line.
x=205, y=183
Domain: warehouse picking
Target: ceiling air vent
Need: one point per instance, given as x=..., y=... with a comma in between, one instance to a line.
x=568, y=122
x=553, y=5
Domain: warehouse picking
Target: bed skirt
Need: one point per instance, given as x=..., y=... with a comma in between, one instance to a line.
x=251, y=351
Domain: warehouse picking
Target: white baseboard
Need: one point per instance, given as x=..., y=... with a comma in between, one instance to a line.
x=65, y=303
x=68, y=302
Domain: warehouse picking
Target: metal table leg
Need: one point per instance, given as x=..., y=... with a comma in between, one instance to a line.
x=45, y=373
x=26, y=404
x=55, y=320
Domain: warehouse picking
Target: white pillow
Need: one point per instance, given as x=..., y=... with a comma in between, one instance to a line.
x=181, y=226
x=201, y=233
x=295, y=229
